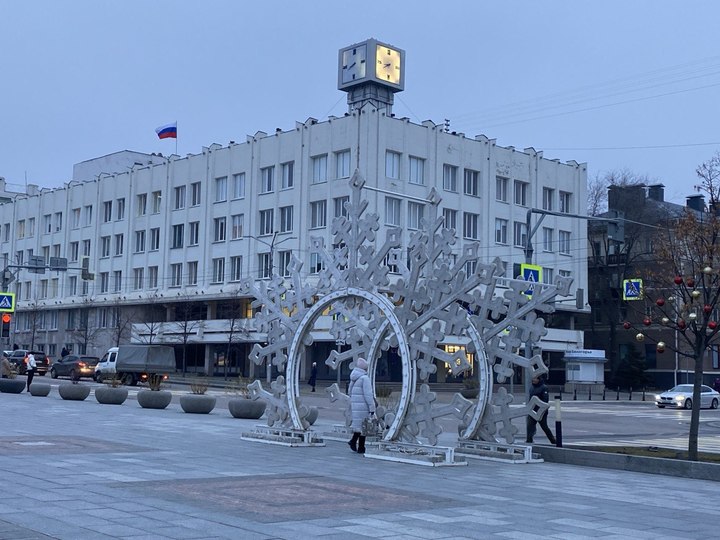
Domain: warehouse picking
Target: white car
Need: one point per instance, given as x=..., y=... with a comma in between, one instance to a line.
x=681, y=397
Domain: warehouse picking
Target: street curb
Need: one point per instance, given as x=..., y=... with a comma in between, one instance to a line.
x=650, y=465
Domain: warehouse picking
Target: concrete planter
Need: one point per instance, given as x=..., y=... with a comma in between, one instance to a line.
x=246, y=408
x=73, y=392
x=111, y=396
x=197, y=403
x=312, y=415
x=12, y=386
x=154, y=399
x=39, y=389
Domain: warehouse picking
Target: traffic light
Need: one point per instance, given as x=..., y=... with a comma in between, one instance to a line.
x=6, y=320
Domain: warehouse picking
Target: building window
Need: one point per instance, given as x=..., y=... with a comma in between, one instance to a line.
x=120, y=209
x=141, y=204
x=316, y=263
x=88, y=211
x=565, y=202
x=417, y=170
x=392, y=164
x=75, y=220
x=470, y=267
x=392, y=211
x=236, y=268
x=236, y=223
x=318, y=214
x=319, y=169
x=138, y=278
x=192, y=273
x=152, y=277
x=179, y=198
x=449, y=218
x=107, y=211
x=238, y=186
x=104, y=246
x=221, y=189
x=176, y=274
x=450, y=173
x=501, y=188
x=342, y=164
x=194, y=231
x=521, y=193
x=104, y=282
x=548, y=196
x=267, y=179
x=119, y=244
x=85, y=249
x=219, y=229
x=117, y=275
x=565, y=273
x=266, y=221
x=520, y=234
x=471, y=225
x=547, y=239
x=564, y=243
x=195, y=194
x=178, y=235
x=548, y=275
x=472, y=183
x=339, y=206
x=72, y=285
x=288, y=179
x=415, y=215
x=75, y=251
x=285, y=259
x=264, y=266
x=47, y=223
x=139, y=241
x=286, y=219
x=156, y=202
x=154, y=239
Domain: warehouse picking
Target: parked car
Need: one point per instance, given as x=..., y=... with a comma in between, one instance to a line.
x=681, y=397
x=74, y=366
x=19, y=358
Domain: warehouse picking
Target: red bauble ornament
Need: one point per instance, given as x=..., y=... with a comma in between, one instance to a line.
x=707, y=308
x=681, y=324
x=647, y=321
x=660, y=350
x=627, y=325
x=712, y=325
x=660, y=302
x=690, y=282
x=678, y=280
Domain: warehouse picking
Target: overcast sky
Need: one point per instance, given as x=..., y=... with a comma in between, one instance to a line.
x=619, y=84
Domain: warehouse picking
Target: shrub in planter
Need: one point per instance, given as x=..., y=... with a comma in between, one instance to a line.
x=39, y=389
x=197, y=402
x=9, y=384
x=73, y=391
x=113, y=393
x=242, y=406
x=155, y=397
x=471, y=388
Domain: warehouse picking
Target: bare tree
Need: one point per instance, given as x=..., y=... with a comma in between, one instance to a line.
x=186, y=324
x=232, y=311
x=86, y=330
x=121, y=322
x=153, y=319
x=34, y=322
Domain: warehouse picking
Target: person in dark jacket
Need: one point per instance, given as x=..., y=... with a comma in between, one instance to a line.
x=362, y=403
x=313, y=376
x=64, y=352
x=540, y=390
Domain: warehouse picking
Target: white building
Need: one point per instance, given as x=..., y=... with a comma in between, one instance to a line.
x=169, y=238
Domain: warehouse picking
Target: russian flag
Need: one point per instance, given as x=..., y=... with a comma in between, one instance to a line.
x=167, y=132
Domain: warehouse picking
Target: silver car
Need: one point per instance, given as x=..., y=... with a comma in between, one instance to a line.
x=681, y=397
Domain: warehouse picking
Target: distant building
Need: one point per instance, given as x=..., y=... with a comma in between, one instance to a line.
x=168, y=239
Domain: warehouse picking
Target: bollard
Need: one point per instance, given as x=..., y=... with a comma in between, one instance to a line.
x=558, y=422
x=630, y=397
x=589, y=393
x=603, y=393
x=617, y=398
x=575, y=394
x=643, y=398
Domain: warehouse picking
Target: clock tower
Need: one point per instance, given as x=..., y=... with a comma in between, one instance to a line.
x=371, y=72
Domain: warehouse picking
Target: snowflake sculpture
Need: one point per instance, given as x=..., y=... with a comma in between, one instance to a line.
x=433, y=298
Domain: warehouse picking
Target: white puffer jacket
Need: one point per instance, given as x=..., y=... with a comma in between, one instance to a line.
x=362, y=401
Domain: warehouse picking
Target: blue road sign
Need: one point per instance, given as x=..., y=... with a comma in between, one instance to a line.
x=7, y=302
x=632, y=289
x=533, y=274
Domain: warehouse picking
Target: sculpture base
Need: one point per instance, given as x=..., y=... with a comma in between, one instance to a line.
x=283, y=436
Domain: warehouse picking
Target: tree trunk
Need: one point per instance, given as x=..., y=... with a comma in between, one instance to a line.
x=699, y=358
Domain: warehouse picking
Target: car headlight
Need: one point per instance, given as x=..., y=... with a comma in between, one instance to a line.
x=679, y=398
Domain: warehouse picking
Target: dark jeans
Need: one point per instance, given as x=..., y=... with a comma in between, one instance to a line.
x=30, y=375
x=532, y=428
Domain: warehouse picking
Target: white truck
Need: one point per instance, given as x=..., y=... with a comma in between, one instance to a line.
x=136, y=363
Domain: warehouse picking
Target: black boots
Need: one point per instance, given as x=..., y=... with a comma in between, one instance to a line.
x=357, y=443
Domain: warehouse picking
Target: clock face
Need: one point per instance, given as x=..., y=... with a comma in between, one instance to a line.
x=354, y=64
x=387, y=66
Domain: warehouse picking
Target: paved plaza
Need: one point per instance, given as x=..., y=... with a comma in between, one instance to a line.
x=77, y=470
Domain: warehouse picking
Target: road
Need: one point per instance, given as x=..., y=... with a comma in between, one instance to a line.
x=585, y=423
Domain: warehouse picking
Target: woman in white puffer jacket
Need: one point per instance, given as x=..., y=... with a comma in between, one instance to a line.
x=362, y=403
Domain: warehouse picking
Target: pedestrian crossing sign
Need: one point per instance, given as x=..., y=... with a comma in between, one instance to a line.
x=7, y=302
x=632, y=289
x=532, y=274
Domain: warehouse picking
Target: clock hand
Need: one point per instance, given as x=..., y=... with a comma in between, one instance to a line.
x=351, y=65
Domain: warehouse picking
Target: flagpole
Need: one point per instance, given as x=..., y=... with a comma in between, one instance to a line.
x=176, y=152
